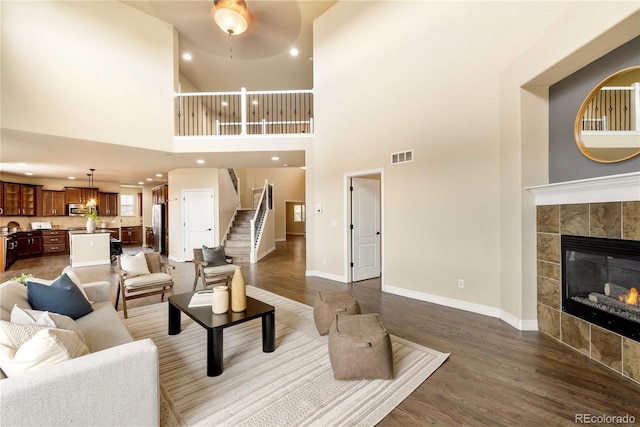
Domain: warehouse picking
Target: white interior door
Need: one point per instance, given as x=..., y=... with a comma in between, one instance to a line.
x=365, y=232
x=198, y=220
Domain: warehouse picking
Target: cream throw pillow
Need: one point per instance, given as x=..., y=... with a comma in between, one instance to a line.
x=135, y=265
x=25, y=348
x=45, y=318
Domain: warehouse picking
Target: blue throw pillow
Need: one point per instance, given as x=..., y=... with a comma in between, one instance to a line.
x=62, y=297
x=214, y=256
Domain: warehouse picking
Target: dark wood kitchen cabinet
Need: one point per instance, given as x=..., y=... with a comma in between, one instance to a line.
x=148, y=237
x=131, y=235
x=108, y=204
x=53, y=203
x=1, y=198
x=19, y=199
x=160, y=194
x=80, y=195
x=12, y=249
x=29, y=243
x=54, y=242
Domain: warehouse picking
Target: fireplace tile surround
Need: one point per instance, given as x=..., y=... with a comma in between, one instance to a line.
x=596, y=218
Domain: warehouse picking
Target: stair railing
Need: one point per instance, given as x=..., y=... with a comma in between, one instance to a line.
x=234, y=179
x=258, y=221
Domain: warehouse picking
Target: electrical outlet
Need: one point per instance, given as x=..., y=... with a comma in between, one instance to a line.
x=461, y=283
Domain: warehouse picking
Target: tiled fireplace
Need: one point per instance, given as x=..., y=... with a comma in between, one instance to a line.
x=587, y=209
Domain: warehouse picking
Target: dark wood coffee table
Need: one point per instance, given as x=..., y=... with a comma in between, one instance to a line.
x=215, y=324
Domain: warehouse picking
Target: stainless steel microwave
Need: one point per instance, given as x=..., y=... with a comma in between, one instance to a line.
x=77, y=209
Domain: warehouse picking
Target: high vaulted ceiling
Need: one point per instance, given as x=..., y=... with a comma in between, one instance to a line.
x=257, y=59
x=261, y=61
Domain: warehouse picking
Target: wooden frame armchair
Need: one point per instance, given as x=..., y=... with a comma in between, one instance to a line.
x=211, y=275
x=157, y=282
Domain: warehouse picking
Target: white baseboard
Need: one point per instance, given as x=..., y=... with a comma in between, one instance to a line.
x=485, y=310
x=325, y=275
x=267, y=252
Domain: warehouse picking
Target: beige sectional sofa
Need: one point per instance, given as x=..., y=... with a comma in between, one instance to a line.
x=116, y=384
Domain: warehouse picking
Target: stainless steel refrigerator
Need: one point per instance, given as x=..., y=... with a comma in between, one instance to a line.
x=158, y=224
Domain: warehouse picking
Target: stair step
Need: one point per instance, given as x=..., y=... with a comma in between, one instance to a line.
x=233, y=252
x=241, y=230
x=237, y=244
x=242, y=258
x=237, y=236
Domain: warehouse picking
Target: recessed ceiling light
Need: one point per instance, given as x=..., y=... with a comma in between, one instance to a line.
x=274, y=158
x=285, y=165
x=187, y=56
x=28, y=173
x=225, y=103
x=294, y=51
x=72, y=177
x=140, y=183
x=255, y=102
x=149, y=179
x=200, y=161
x=159, y=175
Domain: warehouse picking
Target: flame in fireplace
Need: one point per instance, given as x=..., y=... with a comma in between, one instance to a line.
x=631, y=298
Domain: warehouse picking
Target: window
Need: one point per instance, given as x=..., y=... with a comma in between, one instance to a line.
x=299, y=213
x=127, y=205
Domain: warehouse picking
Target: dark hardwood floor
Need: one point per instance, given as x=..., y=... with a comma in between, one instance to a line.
x=496, y=375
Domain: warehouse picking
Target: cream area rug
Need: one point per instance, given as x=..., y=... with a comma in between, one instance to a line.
x=293, y=386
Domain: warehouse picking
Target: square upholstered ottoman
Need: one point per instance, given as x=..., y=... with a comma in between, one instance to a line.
x=328, y=304
x=360, y=348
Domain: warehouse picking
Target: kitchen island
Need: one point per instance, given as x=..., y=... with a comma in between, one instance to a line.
x=88, y=249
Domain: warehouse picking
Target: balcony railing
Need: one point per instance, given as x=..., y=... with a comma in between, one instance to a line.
x=244, y=113
x=613, y=109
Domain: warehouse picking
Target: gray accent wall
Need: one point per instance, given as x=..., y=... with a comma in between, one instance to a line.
x=566, y=162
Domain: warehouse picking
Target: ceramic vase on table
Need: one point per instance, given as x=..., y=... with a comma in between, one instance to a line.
x=220, y=300
x=238, y=291
x=91, y=226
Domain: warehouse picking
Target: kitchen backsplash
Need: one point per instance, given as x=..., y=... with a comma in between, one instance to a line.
x=63, y=222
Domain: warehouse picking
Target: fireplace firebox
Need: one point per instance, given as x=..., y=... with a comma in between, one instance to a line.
x=600, y=282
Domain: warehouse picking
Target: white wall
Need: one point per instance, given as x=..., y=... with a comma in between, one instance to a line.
x=436, y=89
x=228, y=203
x=99, y=71
x=188, y=179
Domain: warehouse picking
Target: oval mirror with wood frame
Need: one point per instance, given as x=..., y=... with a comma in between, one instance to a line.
x=607, y=126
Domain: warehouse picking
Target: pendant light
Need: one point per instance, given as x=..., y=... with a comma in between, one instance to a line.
x=92, y=202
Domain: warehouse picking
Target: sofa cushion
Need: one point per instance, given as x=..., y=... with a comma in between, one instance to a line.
x=146, y=280
x=214, y=256
x=24, y=348
x=12, y=293
x=220, y=269
x=44, y=318
x=134, y=265
x=103, y=328
x=62, y=297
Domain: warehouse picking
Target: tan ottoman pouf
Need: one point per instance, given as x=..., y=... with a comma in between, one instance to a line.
x=360, y=348
x=328, y=304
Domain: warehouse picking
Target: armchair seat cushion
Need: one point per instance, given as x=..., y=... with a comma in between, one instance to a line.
x=147, y=280
x=220, y=269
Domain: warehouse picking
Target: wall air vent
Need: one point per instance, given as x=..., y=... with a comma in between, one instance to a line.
x=402, y=157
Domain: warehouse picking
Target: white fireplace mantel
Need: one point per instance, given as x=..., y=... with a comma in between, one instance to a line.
x=613, y=188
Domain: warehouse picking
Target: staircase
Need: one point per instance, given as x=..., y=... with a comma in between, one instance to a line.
x=238, y=242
